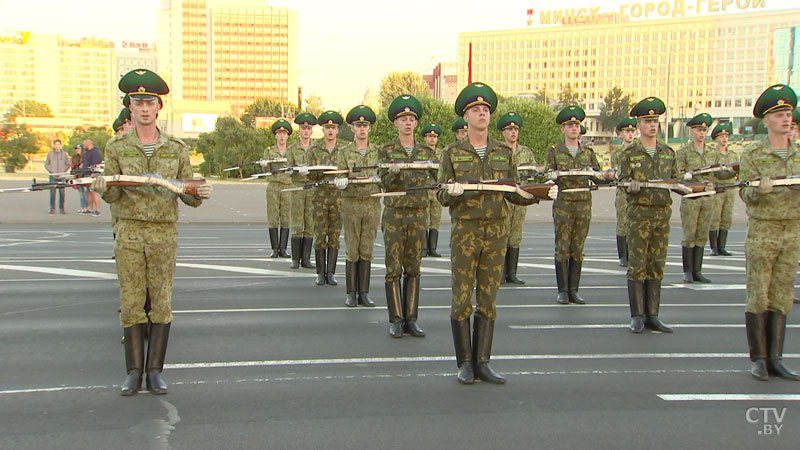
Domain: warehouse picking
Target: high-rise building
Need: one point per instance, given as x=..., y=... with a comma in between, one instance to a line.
x=73, y=77
x=442, y=83
x=229, y=52
x=717, y=64
x=131, y=56
x=785, y=56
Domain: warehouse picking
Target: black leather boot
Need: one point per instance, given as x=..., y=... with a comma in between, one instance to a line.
x=482, y=336
x=330, y=266
x=574, y=281
x=562, y=275
x=433, y=242
x=283, y=241
x=362, y=287
x=159, y=335
x=712, y=239
x=698, y=265
x=411, y=306
x=512, y=262
x=461, y=339
x=756, y=326
x=776, y=333
x=319, y=255
x=134, y=358
x=504, y=273
x=622, y=250
x=273, y=242
x=722, y=241
x=351, y=282
x=395, y=307
x=687, y=256
x=652, y=303
x=636, y=301
x=297, y=251
x=425, y=243
x=305, y=261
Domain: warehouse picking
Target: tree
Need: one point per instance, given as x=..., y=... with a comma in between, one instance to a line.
x=756, y=127
x=232, y=144
x=30, y=108
x=615, y=107
x=98, y=135
x=568, y=96
x=314, y=105
x=396, y=83
x=539, y=128
x=17, y=146
x=267, y=107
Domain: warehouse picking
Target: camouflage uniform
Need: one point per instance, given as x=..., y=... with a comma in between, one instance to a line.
x=302, y=211
x=723, y=209
x=360, y=212
x=278, y=203
x=327, y=206
x=620, y=199
x=516, y=217
x=572, y=215
x=146, y=236
x=479, y=234
x=696, y=212
x=434, y=207
x=773, y=229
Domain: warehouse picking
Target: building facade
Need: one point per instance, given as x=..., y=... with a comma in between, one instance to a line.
x=717, y=64
x=131, y=56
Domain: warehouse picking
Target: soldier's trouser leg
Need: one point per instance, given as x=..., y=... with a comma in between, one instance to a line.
x=334, y=222
x=726, y=205
x=364, y=268
x=461, y=339
x=145, y=259
x=302, y=221
x=133, y=338
x=403, y=234
x=756, y=328
x=411, y=306
x=776, y=333
x=771, y=249
x=394, y=299
x=360, y=220
x=157, y=349
x=320, y=221
x=652, y=302
x=636, y=302
x=648, y=237
x=483, y=334
x=477, y=252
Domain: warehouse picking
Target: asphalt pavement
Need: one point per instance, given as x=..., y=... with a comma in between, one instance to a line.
x=260, y=357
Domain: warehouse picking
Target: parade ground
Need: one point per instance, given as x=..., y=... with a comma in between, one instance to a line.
x=261, y=358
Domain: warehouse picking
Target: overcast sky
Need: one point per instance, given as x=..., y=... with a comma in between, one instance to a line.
x=345, y=46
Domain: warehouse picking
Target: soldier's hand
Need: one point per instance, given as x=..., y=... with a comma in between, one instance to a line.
x=99, y=185
x=552, y=175
x=553, y=192
x=375, y=178
x=454, y=189
x=634, y=187
x=709, y=187
x=394, y=169
x=687, y=176
x=204, y=191
x=765, y=186
x=340, y=183
x=303, y=171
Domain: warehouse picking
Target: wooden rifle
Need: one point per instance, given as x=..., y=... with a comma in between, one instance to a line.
x=356, y=180
x=185, y=186
x=734, y=167
x=527, y=191
x=261, y=162
x=416, y=165
x=791, y=180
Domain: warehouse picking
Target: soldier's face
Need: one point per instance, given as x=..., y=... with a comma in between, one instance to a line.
x=305, y=131
x=571, y=130
x=511, y=134
x=431, y=140
x=648, y=127
x=330, y=132
x=405, y=124
x=144, y=111
x=477, y=117
x=127, y=125
x=361, y=130
x=628, y=135
x=461, y=134
x=281, y=137
x=779, y=122
x=722, y=140
x=699, y=134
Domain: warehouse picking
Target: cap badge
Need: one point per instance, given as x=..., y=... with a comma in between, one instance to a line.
x=141, y=89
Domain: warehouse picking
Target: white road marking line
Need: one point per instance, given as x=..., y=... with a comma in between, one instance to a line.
x=729, y=397
x=60, y=271
x=601, y=326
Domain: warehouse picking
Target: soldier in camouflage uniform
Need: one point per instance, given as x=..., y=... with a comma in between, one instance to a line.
x=404, y=217
x=360, y=212
x=509, y=124
x=626, y=128
x=722, y=216
x=279, y=204
x=302, y=223
x=479, y=233
x=572, y=211
x=649, y=211
x=773, y=232
x=459, y=127
x=696, y=212
x=327, y=200
x=146, y=241
x=431, y=134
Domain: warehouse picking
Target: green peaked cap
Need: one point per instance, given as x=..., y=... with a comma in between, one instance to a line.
x=509, y=120
x=432, y=128
x=570, y=114
x=143, y=83
x=777, y=97
x=361, y=114
x=628, y=123
x=281, y=125
x=459, y=124
x=330, y=117
x=722, y=128
x=305, y=119
x=404, y=105
x=702, y=120
x=649, y=107
x=475, y=94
